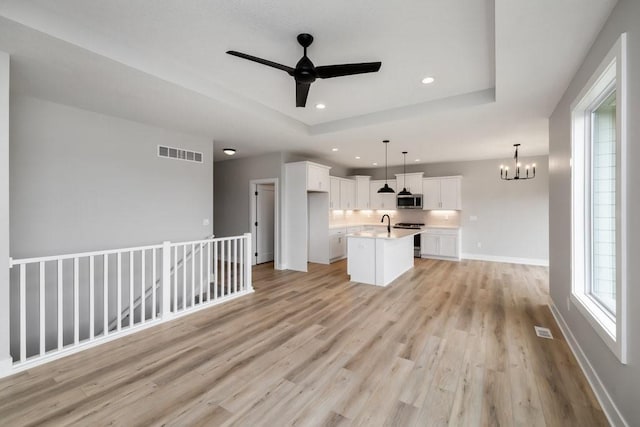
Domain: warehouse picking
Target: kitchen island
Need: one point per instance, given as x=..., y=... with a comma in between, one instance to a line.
x=378, y=258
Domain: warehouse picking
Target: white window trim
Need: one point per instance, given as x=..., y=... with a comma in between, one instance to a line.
x=612, y=331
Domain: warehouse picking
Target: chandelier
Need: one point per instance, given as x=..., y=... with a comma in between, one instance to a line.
x=504, y=170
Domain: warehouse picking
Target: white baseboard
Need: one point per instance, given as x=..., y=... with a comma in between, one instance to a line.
x=608, y=406
x=507, y=259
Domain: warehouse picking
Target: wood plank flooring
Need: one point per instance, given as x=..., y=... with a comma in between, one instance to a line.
x=446, y=344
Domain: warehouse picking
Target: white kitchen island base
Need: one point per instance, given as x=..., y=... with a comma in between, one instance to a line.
x=379, y=258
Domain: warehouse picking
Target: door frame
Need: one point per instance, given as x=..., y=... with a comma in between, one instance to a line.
x=276, y=218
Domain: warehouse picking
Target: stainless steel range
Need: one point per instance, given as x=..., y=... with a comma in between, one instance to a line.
x=416, y=238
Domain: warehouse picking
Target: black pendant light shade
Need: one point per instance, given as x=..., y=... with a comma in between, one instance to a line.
x=386, y=188
x=404, y=191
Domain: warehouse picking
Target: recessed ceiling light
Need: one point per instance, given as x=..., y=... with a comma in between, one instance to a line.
x=375, y=164
x=417, y=160
x=428, y=80
x=357, y=157
x=334, y=149
x=229, y=151
x=321, y=106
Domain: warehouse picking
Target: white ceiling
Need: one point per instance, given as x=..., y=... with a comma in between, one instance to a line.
x=500, y=68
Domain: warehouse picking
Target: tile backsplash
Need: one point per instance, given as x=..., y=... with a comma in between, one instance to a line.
x=430, y=218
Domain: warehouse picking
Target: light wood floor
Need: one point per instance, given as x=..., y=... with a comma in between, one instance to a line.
x=447, y=344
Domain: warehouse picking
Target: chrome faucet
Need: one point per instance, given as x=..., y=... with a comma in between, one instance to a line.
x=388, y=222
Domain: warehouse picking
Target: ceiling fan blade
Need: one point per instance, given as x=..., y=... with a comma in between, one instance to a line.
x=302, y=90
x=329, y=71
x=262, y=61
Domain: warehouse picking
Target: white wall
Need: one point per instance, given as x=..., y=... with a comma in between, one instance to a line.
x=621, y=382
x=85, y=181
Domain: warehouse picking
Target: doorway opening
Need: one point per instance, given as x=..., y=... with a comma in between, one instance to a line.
x=264, y=220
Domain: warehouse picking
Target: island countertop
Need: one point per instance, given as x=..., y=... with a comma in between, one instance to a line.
x=396, y=233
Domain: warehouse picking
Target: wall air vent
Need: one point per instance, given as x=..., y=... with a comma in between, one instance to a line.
x=179, y=154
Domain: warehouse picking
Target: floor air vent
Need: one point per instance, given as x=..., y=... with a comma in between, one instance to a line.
x=179, y=154
x=543, y=332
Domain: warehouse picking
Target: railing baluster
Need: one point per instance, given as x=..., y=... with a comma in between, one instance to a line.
x=143, y=290
x=229, y=267
x=131, y=288
x=153, y=283
x=193, y=275
x=223, y=289
x=23, y=312
x=208, y=271
x=175, y=279
x=76, y=300
x=42, y=310
x=92, y=299
x=241, y=267
x=184, y=277
x=235, y=266
x=247, y=262
x=119, y=293
x=201, y=271
x=105, y=292
x=215, y=270
x=60, y=318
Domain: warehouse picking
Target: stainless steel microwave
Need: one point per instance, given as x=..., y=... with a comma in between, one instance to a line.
x=412, y=201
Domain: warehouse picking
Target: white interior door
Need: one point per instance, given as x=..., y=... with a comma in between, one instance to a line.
x=265, y=222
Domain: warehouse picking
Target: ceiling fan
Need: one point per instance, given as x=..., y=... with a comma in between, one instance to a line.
x=306, y=73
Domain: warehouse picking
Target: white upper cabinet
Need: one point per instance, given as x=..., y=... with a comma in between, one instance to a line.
x=450, y=193
x=383, y=200
x=442, y=193
x=334, y=193
x=363, y=197
x=317, y=177
x=410, y=181
x=347, y=194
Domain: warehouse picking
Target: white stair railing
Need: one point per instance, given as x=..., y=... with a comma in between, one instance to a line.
x=66, y=303
x=139, y=304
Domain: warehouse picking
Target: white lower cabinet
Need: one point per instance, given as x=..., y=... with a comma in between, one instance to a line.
x=440, y=243
x=337, y=244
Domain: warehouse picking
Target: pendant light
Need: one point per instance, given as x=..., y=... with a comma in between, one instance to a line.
x=504, y=170
x=386, y=188
x=404, y=191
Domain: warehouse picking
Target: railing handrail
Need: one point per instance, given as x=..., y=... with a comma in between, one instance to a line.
x=13, y=262
x=197, y=242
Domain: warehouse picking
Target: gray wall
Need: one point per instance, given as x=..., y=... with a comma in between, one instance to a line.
x=4, y=209
x=621, y=381
x=85, y=181
x=512, y=216
x=231, y=190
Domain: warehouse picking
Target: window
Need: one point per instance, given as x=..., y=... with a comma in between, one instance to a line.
x=598, y=179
